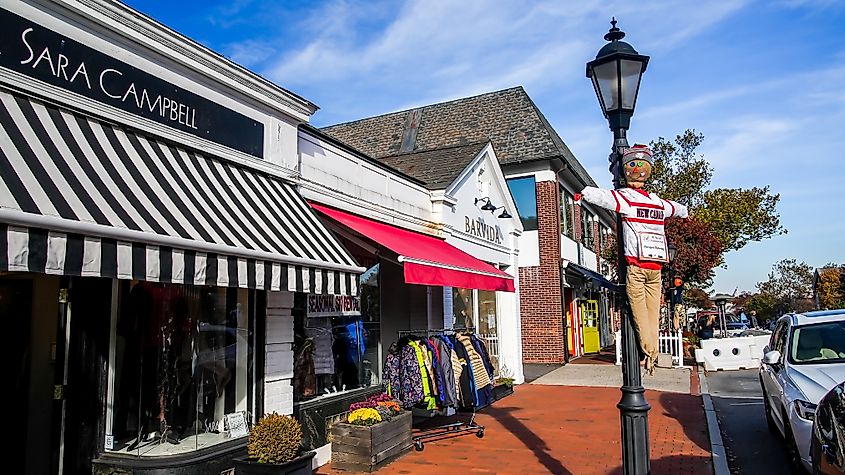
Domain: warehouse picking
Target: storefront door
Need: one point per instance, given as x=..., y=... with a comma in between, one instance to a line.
x=15, y=309
x=590, y=322
x=79, y=397
x=58, y=331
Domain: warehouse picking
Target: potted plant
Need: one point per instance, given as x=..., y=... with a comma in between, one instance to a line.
x=691, y=342
x=375, y=432
x=503, y=384
x=275, y=448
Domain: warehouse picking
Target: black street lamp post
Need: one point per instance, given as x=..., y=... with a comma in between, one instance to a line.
x=616, y=74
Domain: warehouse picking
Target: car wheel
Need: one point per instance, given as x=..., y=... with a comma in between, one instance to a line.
x=792, y=449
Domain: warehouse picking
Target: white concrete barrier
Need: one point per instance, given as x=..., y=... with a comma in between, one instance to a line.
x=744, y=352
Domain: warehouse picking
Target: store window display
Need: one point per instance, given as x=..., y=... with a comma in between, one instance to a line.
x=463, y=307
x=182, y=360
x=487, y=328
x=478, y=309
x=336, y=341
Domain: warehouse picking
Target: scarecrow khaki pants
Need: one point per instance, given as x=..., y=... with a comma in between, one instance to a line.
x=643, y=288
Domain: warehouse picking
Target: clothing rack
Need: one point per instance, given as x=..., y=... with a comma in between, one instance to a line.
x=436, y=331
x=446, y=430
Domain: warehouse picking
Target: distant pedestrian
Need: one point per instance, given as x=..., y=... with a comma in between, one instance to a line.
x=705, y=330
x=754, y=319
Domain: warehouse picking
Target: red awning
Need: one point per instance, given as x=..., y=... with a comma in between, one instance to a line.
x=426, y=259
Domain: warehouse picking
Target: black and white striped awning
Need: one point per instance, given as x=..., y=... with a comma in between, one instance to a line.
x=79, y=196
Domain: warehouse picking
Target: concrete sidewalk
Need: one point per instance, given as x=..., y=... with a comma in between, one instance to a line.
x=566, y=430
x=675, y=380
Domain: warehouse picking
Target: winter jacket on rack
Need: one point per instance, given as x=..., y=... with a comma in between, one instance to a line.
x=481, y=348
x=479, y=370
x=467, y=379
x=459, y=366
x=437, y=371
x=391, y=379
x=428, y=359
x=428, y=398
x=410, y=377
x=444, y=360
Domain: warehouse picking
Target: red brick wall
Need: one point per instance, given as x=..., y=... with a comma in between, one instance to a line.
x=540, y=286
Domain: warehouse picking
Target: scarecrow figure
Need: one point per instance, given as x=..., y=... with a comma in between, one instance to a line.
x=643, y=215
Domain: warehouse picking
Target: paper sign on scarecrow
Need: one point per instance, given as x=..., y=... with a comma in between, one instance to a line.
x=643, y=215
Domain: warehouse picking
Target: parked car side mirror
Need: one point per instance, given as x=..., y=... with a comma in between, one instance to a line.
x=772, y=357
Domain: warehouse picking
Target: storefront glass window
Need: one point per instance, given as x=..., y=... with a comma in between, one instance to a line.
x=487, y=328
x=463, y=304
x=586, y=228
x=183, y=358
x=567, y=208
x=525, y=196
x=336, y=341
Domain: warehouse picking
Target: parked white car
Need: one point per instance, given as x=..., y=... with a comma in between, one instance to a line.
x=805, y=358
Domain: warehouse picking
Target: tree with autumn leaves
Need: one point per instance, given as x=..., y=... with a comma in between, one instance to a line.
x=830, y=286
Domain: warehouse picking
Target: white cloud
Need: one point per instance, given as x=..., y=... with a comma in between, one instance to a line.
x=674, y=23
x=747, y=142
x=249, y=53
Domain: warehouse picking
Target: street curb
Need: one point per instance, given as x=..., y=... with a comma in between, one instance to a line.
x=717, y=446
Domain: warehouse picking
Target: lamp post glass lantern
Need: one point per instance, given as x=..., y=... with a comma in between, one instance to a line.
x=616, y=73
x=673, y=252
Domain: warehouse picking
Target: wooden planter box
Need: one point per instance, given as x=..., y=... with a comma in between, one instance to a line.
x=366, y=449
x=501, y=391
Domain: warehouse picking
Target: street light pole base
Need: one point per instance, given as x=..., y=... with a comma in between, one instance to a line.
x=633, y=407
x=634, y=417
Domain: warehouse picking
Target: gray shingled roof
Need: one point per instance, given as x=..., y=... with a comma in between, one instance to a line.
x=436, y=168
x=509, y=118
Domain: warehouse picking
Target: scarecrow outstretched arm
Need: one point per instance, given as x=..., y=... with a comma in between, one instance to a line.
x=606, y=199
x=675, y=209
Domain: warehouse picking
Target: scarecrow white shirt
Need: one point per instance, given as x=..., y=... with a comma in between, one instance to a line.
x=643, y=215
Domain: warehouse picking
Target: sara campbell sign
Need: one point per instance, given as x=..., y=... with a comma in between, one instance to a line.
x=43, y=54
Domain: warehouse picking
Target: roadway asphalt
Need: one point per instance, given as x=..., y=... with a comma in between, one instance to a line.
x=738, y=401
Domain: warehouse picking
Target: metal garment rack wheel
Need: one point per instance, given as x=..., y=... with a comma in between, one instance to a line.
x=447, y=430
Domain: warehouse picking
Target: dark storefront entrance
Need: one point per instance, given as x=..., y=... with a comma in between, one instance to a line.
x=59, y=352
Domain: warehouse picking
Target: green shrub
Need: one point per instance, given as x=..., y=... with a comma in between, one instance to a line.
x=275, y=439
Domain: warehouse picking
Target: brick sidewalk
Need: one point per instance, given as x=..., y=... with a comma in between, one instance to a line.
x=562, y=430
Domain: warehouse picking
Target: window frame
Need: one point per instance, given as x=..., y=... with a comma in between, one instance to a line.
x=525, y=219
x=567, y=213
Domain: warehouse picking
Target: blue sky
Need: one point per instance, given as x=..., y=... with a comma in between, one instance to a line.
x=764, y=81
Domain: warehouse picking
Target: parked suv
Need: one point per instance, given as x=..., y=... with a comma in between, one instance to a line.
x=805, y=358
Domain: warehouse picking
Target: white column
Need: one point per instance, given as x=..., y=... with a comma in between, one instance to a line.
x=278, y=363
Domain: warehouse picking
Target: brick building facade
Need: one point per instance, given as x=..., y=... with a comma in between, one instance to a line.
x=540, y=286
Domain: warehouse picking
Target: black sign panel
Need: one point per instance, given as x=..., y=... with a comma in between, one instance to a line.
x=43, y=54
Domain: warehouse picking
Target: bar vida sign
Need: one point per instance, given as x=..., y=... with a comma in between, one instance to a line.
x=478, y=228
x=43, y=54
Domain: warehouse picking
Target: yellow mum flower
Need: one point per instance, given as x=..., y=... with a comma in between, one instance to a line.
x=364, y=417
